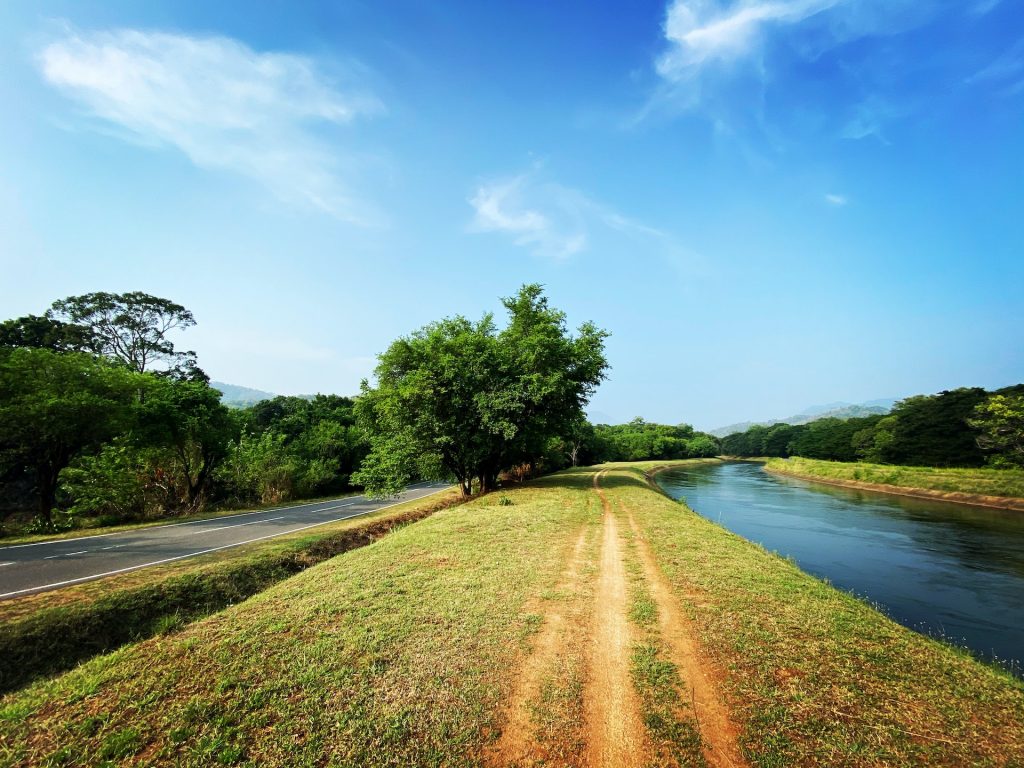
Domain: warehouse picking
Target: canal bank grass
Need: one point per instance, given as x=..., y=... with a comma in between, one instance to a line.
x=816, y=676
x=987, y=487
x=408, y=652
x=49, y=632
x=398, y=653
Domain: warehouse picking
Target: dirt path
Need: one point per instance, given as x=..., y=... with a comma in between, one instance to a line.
x=615, y=732
x=517, y=744
x=718, y=732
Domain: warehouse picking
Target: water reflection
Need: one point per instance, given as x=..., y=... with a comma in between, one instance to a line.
x=952, y=570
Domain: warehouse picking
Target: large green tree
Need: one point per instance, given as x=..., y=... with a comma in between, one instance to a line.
x=54, y=407
x=463, y=400
x=132, y=327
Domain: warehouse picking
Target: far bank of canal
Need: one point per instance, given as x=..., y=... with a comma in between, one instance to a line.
x=948, y=570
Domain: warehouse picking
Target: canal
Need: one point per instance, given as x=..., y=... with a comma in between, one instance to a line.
x=949, y=570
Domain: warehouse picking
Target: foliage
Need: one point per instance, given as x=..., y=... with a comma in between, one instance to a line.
x=461, y=399
x=56, y=406
x=640, y=440
x=955, y=428
x=45, y=333
x=111, y=483
x=1000, y=424
x=98, y=403
x=131, y=327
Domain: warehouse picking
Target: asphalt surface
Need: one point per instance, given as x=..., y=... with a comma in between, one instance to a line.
x=28, y=568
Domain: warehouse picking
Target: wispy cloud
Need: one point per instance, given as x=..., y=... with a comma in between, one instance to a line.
x=547, y=218
x=1005, y=73
x=698, y=32
x=224, y=105
x=837, y=200
x=721, y=57
x=543, y=217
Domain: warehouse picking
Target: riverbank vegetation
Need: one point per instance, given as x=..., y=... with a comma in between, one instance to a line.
x=981, y=481
x=473, y=637
x=966, y=427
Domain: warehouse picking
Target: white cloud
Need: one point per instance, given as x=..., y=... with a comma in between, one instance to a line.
x=550, y=219
x=224, y=105
x=836, y=200
x=513, y=206
x=699, y=32
x=722, y=56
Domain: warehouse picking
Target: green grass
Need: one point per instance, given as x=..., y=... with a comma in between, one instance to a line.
x=404, y=652
x=816, y=676
x=393, y=654
x=986, y=482
x=664, y=701
x=52, y=631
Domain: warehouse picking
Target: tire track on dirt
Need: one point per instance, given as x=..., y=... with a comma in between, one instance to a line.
x=518, y=744
x=719, y=733
x=615, y=731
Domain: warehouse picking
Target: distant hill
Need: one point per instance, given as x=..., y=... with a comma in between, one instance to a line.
x=815, y=412
x=234, y=396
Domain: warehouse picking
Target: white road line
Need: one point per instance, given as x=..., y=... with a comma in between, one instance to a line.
x=174, y=525
x=66, y=554
x=3, y=564
x=68, y=582
x=240, y=525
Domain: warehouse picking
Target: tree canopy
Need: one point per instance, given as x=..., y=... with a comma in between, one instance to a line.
x=462, y=399
x=131, y=327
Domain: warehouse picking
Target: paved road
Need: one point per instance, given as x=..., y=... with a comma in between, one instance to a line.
x=28, y=568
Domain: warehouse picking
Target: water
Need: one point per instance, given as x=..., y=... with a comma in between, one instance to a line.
x=949, y=570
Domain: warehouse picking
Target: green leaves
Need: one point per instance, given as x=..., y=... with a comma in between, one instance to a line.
x=460, y=399
x=1000, y=423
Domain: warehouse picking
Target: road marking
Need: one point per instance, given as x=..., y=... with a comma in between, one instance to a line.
x=241, y=525
x=115, y=546
x=3, y=564
x=174, y=525
x=66, y=554
x=69, y=582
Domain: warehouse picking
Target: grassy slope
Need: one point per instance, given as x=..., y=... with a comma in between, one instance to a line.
x=394, y=654
x=50, y=632
x=403, y=652
x=986, y=482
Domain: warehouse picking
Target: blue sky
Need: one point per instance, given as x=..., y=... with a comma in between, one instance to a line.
x=769, y=203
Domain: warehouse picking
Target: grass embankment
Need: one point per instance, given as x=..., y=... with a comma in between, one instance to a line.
x=1002, y=488
x=593, y=621
x=49, y=632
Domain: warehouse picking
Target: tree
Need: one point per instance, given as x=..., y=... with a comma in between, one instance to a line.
x=459, y=399
x=187, y=419
x=1000, y=423
x=46, y=333
x=131, y=327
x=54, y=407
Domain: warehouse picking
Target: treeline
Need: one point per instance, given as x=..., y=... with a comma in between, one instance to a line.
x=637, y=440
x=101, y=417
x=967, y=427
